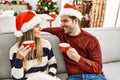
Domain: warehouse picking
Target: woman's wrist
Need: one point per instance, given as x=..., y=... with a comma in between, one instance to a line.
x=18, y=56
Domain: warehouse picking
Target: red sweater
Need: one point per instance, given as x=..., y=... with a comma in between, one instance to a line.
x=87, y=46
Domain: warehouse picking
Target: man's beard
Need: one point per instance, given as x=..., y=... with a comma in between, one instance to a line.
x=68, y=31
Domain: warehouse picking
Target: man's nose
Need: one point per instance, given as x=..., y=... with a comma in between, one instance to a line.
x=62, y=24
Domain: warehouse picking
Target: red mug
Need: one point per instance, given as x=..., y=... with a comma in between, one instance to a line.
x=31, y=43
x=64, y=47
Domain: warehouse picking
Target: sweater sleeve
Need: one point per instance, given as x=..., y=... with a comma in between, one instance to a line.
x=52, y=63
x=92, y=64
x=17, y=70
x=56, y=30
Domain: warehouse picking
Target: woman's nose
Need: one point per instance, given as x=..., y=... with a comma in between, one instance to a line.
x=40, y=28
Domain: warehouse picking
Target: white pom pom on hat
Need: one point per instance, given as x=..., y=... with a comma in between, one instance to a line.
x=25, y=21
x=71, y=11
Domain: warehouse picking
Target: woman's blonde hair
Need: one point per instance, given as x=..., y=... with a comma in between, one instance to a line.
x=37, y=53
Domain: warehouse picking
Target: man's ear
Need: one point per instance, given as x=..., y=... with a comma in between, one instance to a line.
x=76, y=21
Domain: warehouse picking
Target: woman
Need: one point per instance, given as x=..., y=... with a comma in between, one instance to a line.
x=27, y=63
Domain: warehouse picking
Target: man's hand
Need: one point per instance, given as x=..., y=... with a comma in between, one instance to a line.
x=73, y=54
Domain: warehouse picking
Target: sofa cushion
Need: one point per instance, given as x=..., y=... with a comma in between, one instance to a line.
x=112, y=71
x=7, y=24
x=6, y=41
x=109, y=39
x=54, y=40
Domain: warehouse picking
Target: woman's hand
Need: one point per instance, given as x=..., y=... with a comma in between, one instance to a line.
x=23, y=51
x=73, y=54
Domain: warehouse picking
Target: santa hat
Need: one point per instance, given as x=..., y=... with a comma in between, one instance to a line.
x=53, y=15
x=25, y=21
x=71, y=11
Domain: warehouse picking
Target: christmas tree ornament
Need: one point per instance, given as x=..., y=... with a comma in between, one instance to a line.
x=53, y=15
x=47, y=7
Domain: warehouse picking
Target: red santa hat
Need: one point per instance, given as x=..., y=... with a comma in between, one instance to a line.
x=53, y=15
x=25, y=21
x=71, y=11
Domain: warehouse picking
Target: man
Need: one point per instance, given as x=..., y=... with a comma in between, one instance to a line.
x=83, y=59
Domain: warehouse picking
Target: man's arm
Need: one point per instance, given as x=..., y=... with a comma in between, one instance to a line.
x=55, y=30
x=93, y=63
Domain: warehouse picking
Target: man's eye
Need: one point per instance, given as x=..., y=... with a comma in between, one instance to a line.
x=64, y=21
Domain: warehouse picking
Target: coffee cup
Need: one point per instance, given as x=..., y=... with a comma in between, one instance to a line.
x=31, y=43
x=64, y=47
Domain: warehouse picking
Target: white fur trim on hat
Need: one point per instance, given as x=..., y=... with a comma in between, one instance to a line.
x=71, y=12
x=18, y=33
x=29, y=25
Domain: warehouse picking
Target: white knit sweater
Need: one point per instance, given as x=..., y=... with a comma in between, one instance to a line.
x=48, y=66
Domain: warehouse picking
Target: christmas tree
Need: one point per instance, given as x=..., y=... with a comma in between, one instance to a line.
x=46, y=7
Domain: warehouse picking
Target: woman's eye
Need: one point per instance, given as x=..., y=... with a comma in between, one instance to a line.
x=37, y=26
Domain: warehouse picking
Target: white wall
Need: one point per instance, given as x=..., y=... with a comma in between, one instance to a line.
x=111, y=13
x=118, y=19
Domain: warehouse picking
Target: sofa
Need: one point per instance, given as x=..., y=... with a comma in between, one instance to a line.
x=109, y=39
